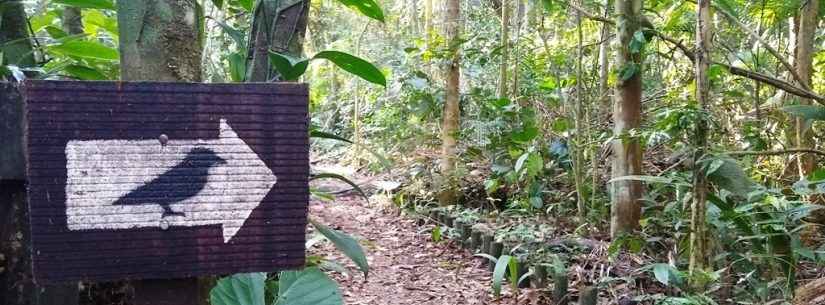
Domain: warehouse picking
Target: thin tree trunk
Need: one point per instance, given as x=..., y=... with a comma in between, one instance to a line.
x=428, y=19
x=161, y=40
x=604, y=62
x=803, y=64
x=627, y=112
x=72, y=21
x=515, y=49
x=578, y=115
x=450, y=124
x=277, y=26
x=505, y=49
x=698, y=237
x=603, y=102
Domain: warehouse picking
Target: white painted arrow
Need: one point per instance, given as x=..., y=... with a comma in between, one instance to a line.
x=100, y=172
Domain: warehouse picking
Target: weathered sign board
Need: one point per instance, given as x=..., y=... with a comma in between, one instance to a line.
x=165, y=180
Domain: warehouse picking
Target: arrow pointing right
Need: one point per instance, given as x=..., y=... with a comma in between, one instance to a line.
x=126, y=184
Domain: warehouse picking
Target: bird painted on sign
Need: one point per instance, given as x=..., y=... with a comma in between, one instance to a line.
x=181, y=182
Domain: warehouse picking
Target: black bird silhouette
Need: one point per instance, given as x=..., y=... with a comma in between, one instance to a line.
x=181, y=182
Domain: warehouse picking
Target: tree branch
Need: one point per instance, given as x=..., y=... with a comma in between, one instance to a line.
x=776, y=152
x=763, y=78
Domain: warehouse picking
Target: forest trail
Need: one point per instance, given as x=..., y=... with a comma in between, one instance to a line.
x=406, y=267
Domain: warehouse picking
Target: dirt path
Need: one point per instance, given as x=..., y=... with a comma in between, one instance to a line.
x=405, y=266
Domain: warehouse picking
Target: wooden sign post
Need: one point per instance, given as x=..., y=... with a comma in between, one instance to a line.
x=165, y=180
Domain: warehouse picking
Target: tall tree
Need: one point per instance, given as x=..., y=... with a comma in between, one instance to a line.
x=698, y=235
x=627, y=113
x=278, y=26
x=805, y=31
x=450, y=123
x=161, y=40
x=505, y=49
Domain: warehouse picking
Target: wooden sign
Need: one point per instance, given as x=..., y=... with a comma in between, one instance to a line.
x=165, y=180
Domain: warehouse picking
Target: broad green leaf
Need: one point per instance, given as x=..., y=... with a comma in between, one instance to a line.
x=662, y=273
x=732, y=177
x=368, y=8
x=808, y=112
x=84, y=73
x=239, y=289
x=638, y=42
x=502, y=263
x=237, y=67
x=289, y=67
x=218, y=3
x=526, y=134
x=354, y=65
x=348, y=245
x=628, y=71
x=86, y=49
x=95, y=4
x=534, y=164
x=55, y=32
x=341, y=178
x=310, y=286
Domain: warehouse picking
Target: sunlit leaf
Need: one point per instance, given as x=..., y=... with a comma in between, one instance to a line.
x=95, y=4
x=354, y=65
x=86, y=49
x=367, y=7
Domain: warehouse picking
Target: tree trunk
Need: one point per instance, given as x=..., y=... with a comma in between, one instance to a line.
x=72, y=21
x=803, y=64
x=161, y=40
x=16, y=283
x=604, y=62
x=698, y=237
x=578, y=121
x=450, y=124
x=505, y=49
x=603, y=102
x=14, y=35
x=277, y=26
x=627, y=112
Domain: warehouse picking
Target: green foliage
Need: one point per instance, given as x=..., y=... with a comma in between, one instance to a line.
x=292, y=68
x=85, y=49
x=239, y=289
x=90, y=4
x=307, y=287
x=368, y=8
x=346, y=244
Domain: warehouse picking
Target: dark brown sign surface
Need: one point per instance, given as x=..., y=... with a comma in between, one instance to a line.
x=164, y=180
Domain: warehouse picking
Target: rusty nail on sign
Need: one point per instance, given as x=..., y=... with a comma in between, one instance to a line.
x=225, y=191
